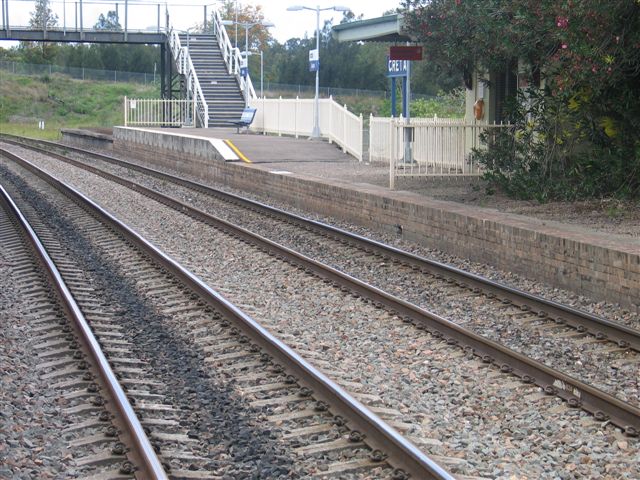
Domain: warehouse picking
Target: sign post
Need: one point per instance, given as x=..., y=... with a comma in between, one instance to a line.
x=244, y=66
x=396, y=69
x=406, y=54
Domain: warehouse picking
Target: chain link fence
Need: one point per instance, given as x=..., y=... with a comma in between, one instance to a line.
x=81, y=73
x=308, y=91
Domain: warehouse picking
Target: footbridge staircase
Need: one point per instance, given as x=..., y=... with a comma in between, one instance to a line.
x=209, y=69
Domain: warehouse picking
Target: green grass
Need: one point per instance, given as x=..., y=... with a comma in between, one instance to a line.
x=62, y=102
x=444, y=105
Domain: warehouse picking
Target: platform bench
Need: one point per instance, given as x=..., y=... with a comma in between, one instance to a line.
x=248, y=114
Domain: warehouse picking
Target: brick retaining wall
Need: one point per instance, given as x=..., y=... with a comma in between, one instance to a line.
x=597, y=265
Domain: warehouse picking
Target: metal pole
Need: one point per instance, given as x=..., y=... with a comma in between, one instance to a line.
x=162, y=71
x=204, y=24
x=126, y=18
x=407, y=120
x=246, y=59
x=393, y=96
x=261, y=75
x=64, y=17
x=158, y=18
x=81, y=30
x=76, y=12
x=236, y=45
x=188, y=74
x=316, y=120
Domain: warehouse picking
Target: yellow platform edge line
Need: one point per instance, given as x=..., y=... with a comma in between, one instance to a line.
x=237, y=151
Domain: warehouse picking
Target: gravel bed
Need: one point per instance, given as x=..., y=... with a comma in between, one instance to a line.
x=210, y=410
x=459, y=407
x=614, y=372
x=608, y=310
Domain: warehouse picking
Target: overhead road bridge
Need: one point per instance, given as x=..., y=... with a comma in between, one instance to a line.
x=381, y=29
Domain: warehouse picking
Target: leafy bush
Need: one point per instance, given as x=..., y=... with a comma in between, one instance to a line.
x=445, y=105
x=550, y=152
x=576, y=135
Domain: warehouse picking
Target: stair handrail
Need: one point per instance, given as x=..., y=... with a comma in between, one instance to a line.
x=232, y=57
x=183, y=61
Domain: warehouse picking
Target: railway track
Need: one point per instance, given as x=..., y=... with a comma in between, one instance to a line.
x=115, y=274
x=544, y=310
x=553, y=381
x=107, y=434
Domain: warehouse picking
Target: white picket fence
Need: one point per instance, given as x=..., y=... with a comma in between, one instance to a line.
x=440, y=147
x=284, y=116
x=158, y=112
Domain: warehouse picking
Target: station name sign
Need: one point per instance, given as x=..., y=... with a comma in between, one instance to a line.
x=413, y=52
x=397, y=68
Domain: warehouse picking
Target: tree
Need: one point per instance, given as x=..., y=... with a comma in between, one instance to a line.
x=110, y=22
x=577, y=119
x=42, y=18
x=259, y=35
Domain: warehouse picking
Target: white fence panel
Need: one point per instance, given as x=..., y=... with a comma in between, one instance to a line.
x=148, y=112
x=440, y=147
x=296, y=116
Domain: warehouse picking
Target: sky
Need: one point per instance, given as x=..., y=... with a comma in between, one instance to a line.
x=186, y=13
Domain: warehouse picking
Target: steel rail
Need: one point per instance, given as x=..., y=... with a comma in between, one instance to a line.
x=143, y=454
x=577, y=393
x=401, y=452
x=582, y=321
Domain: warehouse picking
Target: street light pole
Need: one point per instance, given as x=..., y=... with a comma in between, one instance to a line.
x=315, y=132
x=246, y=27
x=246, y=59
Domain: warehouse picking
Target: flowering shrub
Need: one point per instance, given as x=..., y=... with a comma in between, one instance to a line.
x=579, y=134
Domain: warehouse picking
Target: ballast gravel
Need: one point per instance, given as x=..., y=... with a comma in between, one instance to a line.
x=478, y=421
x=613, y=370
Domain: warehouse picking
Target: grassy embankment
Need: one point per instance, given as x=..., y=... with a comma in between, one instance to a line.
x=62, y=102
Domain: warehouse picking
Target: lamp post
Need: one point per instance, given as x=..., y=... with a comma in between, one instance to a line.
x=315, y=133
x=247, y=26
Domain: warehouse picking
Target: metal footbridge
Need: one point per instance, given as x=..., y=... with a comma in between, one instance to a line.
x=202, y=66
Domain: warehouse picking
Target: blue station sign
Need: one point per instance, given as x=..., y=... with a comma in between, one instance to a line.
x=397, y=68
x=314, y=60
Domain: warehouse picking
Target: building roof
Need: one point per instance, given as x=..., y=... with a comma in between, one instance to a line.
x=380, y=29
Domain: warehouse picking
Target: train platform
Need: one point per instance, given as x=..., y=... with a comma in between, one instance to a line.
x=318, y=177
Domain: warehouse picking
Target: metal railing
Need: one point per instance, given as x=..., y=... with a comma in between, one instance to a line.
x=194, y=92
x=76, y=16
x=440, y=146
x=295, y=117
x=232, y=57
x=158, y=112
